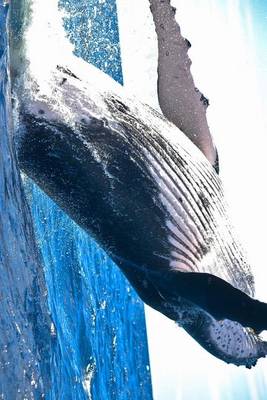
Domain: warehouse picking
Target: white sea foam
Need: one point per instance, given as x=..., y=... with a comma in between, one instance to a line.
x=46, y=43
x=88, y=378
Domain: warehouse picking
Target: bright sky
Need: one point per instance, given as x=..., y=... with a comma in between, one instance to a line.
x=229, y=55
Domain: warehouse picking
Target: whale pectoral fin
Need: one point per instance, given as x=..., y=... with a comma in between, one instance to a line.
x=180, y=101
x=227, y=340
x=219, y=298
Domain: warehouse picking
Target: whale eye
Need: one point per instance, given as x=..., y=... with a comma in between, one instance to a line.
x=85, y=120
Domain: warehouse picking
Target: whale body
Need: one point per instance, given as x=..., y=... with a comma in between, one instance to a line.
x=149, y=197
x=134, y=181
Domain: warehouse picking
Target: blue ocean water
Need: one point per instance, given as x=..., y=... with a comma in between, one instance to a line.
x=25, y=340
x=79, y=331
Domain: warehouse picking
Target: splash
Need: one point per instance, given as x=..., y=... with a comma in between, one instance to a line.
x=39, y=42
x=88, y=378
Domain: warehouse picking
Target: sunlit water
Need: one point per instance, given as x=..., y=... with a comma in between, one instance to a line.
x=25, y=340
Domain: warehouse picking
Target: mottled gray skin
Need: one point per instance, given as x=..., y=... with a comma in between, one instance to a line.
x=180, y=101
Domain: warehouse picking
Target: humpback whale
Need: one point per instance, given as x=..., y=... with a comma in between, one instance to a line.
x=149, y=196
